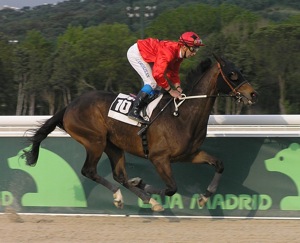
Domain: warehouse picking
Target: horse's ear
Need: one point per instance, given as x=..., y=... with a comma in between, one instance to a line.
x=219, y=59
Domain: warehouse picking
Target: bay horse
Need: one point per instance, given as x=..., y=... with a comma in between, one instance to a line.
x=170, y=139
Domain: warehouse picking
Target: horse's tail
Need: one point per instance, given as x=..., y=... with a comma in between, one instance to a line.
x=40, y=134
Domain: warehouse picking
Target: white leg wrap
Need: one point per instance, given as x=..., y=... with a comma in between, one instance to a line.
x=214, y=183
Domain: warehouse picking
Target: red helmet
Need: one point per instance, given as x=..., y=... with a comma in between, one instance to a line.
x=190, y=39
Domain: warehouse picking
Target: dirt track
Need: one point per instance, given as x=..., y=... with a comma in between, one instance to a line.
x=40, y=228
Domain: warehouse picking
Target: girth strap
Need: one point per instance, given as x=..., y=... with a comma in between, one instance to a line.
x=145, y=142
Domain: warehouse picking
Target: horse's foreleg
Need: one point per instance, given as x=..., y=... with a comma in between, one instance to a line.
x=146, y=198
x=211, y=189
x=165, y=172
x=203, y=157
x=140, y=183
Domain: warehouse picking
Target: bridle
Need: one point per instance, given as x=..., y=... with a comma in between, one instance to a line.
x=237, y=94
x=234, y=91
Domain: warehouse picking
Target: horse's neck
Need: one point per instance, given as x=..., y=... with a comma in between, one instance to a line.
x=208, y=83
x=207, y=86
x=200, y=108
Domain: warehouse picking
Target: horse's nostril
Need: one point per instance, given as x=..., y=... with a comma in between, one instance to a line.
x=254, y=96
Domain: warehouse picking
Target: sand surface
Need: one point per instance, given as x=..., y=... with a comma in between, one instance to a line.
x=41, y=228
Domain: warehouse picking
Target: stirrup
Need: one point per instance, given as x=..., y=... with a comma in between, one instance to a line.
x=140, y=120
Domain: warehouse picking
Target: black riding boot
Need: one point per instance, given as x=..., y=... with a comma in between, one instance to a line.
x=139, y=103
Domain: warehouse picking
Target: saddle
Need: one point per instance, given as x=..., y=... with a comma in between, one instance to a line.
x=122, y=104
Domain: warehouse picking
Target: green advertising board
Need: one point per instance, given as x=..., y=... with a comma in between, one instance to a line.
x=261, y=179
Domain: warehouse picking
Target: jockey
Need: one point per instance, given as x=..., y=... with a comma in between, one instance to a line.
x=158, y=61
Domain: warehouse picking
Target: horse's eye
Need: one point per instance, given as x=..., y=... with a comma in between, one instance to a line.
x=233, y=76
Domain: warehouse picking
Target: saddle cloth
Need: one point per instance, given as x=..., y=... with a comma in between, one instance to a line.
x=121, y=105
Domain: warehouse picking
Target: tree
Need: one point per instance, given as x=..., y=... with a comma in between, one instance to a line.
x=30, y=58
x=237, y=27
x=65, y=72
x=102, y=60
x=276, y=50
x=46, y=72
x=8, y=89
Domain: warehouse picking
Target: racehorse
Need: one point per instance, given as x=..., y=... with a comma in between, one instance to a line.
x=170, y=139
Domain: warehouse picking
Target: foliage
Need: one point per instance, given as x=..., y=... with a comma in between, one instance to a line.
x=276, y=51
x=66, y=49
x=8, y=87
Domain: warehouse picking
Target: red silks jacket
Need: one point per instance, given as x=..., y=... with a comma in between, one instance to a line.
x=165, y=58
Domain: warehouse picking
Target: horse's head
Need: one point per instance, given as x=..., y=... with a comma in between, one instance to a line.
x=231, y=81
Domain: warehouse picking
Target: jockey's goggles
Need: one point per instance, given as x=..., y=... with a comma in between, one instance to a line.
x=193, y=49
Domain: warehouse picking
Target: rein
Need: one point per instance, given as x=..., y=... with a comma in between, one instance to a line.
x=184, y=97
x=236, y=94
x=227, y=81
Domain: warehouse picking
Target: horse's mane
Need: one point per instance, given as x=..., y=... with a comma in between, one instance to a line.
x=196, y=74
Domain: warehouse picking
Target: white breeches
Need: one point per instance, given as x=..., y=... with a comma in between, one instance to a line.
x=143, y=68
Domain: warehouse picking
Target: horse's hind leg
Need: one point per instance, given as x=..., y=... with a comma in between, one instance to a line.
x=91, y=132
x=117, y=160
x=89, y=170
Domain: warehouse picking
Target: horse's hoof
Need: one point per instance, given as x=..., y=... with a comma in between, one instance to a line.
x=118, y=199
x=118, y=204
x=134, y=181
x=157, y=208
x=202, y=200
